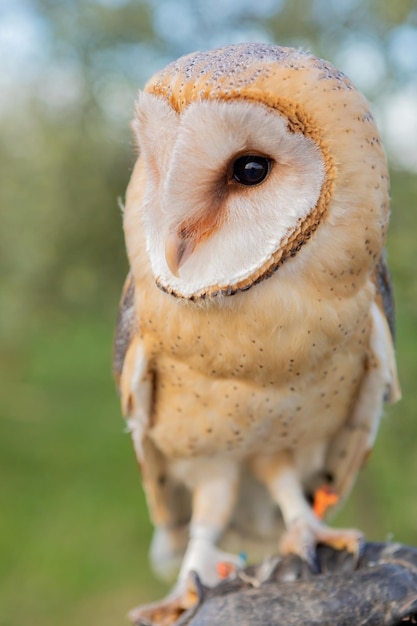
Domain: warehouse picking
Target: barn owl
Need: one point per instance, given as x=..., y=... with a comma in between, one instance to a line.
x=254, y=345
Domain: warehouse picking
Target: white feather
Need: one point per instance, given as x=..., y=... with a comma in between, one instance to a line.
x=193, y=157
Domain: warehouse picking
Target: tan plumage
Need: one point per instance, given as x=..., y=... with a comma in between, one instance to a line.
x=254, y=351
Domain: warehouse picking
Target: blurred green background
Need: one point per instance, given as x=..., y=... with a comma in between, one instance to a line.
x=73, y=526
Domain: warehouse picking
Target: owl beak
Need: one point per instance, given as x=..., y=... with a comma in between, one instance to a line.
x=177, y=251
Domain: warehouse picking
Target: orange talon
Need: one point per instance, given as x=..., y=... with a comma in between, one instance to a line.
x=324, y=498
x=225, y=569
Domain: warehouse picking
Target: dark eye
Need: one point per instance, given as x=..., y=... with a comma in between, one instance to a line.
x=250, y=169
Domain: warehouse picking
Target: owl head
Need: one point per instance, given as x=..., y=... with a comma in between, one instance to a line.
x=255, y=160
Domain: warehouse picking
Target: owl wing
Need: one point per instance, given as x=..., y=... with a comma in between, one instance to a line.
x=352, y=444
x=137, y=385
x=385, y=300
x=385, y=295
x=125, y=327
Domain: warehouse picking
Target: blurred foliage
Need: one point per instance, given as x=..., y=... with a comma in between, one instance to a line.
x=73, y=527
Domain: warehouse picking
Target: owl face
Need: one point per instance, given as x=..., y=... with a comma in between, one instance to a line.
x=245, y=152
x=227, y=184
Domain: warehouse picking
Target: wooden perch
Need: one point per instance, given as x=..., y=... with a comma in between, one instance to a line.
x=380, y=591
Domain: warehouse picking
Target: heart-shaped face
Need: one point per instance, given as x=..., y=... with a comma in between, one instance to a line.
x=245, y=152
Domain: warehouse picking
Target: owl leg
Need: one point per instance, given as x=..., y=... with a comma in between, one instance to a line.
x=169, y=509
x=214, y=500
x=304, y=529
x=214, y=493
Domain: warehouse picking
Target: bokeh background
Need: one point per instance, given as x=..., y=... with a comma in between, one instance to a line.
x=73, y=526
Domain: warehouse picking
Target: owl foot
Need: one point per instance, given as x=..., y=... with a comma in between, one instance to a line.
x=185, y=595
x=305, y=534
x=204, y=564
